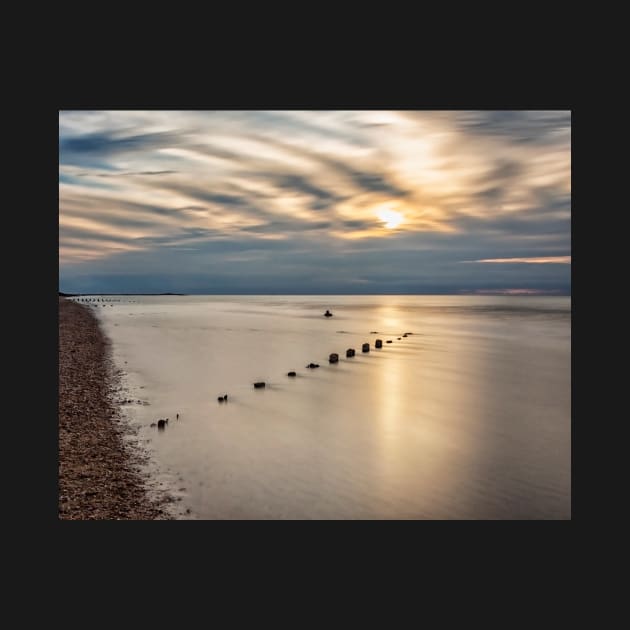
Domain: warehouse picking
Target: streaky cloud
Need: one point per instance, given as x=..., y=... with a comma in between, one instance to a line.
x=555, y=260
x=290, y=200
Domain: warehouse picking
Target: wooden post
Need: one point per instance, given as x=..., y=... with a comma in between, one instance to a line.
x=365, y=347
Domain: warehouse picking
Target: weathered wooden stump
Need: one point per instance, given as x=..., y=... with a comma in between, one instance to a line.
x=259, y=385
x=333, y=358
x=388, y=341
x=313, y=365
x=365, y=347
x=378, y=343
x=291, y=374
x=161, y=423
x=350, y=352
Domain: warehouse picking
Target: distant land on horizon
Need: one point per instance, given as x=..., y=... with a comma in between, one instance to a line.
x=80, y=294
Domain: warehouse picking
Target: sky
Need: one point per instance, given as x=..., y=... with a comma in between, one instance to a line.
x=327, y=202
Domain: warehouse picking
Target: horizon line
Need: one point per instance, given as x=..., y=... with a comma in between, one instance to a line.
x=477, y=292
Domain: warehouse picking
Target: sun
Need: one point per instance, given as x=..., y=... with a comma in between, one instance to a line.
x=391, y=218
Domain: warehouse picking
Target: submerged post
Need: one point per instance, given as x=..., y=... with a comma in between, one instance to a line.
x=378, y=343
x=365, y=347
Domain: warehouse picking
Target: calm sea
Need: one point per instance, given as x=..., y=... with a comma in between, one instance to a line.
x=469, y=417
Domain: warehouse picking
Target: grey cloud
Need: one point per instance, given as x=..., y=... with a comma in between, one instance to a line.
x=401, y=264
x=109, y=143
x=289, y=126
x=501, y=176
x=503, y=172
x=357, y=224
x=302, y=184
x=366, y=179
x=369, y=125
x=526, y=224
x=127, y=174
x=521, y=127
x=287, y=226
x=66, y=232
x=98, y=207
x=216, y=152
x=193, y=208
x=491, y=194
x=205, y=194
x=285, y=268
x=374, y=182
x=321, y=198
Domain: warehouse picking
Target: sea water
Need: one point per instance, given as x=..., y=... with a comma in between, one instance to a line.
x=468, y=417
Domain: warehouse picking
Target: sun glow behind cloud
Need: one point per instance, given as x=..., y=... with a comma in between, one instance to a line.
x=391, y=218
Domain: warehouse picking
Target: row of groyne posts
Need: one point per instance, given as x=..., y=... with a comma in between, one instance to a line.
x=333, y=357
x=92, y=301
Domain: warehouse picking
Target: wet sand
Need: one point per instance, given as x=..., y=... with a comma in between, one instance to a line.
x=99, y=473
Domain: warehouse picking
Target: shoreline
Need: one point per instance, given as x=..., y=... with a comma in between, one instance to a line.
x=99, y=471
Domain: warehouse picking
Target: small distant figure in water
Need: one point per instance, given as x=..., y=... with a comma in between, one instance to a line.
x=177, y=416
x=328, y=313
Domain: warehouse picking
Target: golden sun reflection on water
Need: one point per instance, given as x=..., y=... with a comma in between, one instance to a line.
x=427, y=426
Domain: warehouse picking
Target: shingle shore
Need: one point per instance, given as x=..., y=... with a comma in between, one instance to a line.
x=98, y=473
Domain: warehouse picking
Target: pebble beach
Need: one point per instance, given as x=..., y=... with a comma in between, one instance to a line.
x=100, y=474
